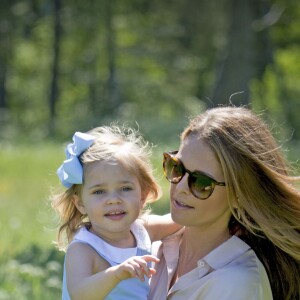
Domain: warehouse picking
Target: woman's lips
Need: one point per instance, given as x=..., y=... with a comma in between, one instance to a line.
x=180, y=204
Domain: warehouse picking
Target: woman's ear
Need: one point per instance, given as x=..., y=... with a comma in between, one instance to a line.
x=78, y=203
x=235, y=202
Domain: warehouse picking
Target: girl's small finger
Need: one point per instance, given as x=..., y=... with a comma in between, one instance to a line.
x=139, y=273
x=149, y=258
x=152, y=271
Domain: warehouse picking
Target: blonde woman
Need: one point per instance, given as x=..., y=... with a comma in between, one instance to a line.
x=233, y=191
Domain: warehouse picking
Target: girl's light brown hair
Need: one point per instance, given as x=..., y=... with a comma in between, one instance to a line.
x=114, y=144
x=263, y=197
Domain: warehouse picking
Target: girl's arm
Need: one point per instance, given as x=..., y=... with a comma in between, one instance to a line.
x=91, y=277
x=159, y=227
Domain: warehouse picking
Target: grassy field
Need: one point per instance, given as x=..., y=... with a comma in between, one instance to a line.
x=30, y=265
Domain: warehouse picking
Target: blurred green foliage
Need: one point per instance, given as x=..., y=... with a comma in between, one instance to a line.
x=154, y=63
x=33, y=274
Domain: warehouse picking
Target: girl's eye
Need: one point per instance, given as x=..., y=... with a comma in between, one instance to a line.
x=127, y=188
x=99, y=192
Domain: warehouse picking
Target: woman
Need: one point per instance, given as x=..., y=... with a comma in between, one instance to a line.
x=232, y=191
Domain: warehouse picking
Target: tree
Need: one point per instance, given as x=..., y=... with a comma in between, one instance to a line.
x=247, y=53
x=6, y=24
x=55, y=65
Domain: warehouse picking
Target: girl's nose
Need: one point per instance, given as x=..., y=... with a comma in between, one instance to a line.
x=113, y=199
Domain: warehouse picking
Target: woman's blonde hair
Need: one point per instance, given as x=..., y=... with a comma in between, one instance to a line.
x=263, y=197
x=114, y=144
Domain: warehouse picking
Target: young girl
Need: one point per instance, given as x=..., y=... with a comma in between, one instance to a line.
x=109, y=180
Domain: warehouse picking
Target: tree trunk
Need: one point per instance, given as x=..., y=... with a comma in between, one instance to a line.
x=247, y=55
x=112, y=88
x=54, y=91
x=3, y=68
x=5, y=35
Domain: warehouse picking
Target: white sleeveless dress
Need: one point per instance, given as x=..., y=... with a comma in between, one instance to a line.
x=127, y=289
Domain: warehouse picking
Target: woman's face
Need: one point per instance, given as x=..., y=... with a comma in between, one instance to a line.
x=185, y=208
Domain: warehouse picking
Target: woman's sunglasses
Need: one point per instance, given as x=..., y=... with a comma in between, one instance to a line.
x=200, y=184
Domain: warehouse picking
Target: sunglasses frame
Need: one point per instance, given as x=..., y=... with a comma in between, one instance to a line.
x=191, y=174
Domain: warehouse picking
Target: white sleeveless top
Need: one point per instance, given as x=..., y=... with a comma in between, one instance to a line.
x=127, y=289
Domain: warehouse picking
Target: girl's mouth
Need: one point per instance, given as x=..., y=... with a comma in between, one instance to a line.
x=115, y=214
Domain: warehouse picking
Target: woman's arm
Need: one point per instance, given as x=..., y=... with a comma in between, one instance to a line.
x=159, y=227
x=90, y=277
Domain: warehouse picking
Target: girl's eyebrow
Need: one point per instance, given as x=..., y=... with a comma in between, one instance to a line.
x=96, y=186
x=104, y=184
x=126, y=181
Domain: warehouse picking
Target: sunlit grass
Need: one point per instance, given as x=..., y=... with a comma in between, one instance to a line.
x=27, y=175
x=30, y=266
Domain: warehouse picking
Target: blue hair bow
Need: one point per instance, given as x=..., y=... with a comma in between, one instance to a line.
x=70, y=172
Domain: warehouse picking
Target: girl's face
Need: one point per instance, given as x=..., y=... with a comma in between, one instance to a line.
x=111, y=197
x=188, y=210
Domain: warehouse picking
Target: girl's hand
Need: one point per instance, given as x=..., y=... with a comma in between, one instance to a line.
x=135, y=266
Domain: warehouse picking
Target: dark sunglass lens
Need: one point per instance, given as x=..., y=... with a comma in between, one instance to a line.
x=202, y=186
x=173, y=169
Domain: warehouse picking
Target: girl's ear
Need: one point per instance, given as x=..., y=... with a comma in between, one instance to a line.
x=79, y=205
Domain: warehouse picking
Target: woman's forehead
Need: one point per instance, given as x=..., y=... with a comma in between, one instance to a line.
x=196, y=154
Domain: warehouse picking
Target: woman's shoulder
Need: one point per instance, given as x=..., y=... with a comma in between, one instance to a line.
x=245, y=275
x=235, y=266
x=238, y=260
x=247, y=268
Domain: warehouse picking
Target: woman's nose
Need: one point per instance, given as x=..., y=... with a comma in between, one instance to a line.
x=183, y=186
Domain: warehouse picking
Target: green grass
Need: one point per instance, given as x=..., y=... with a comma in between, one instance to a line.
x=27, y=175
x=30, y=264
